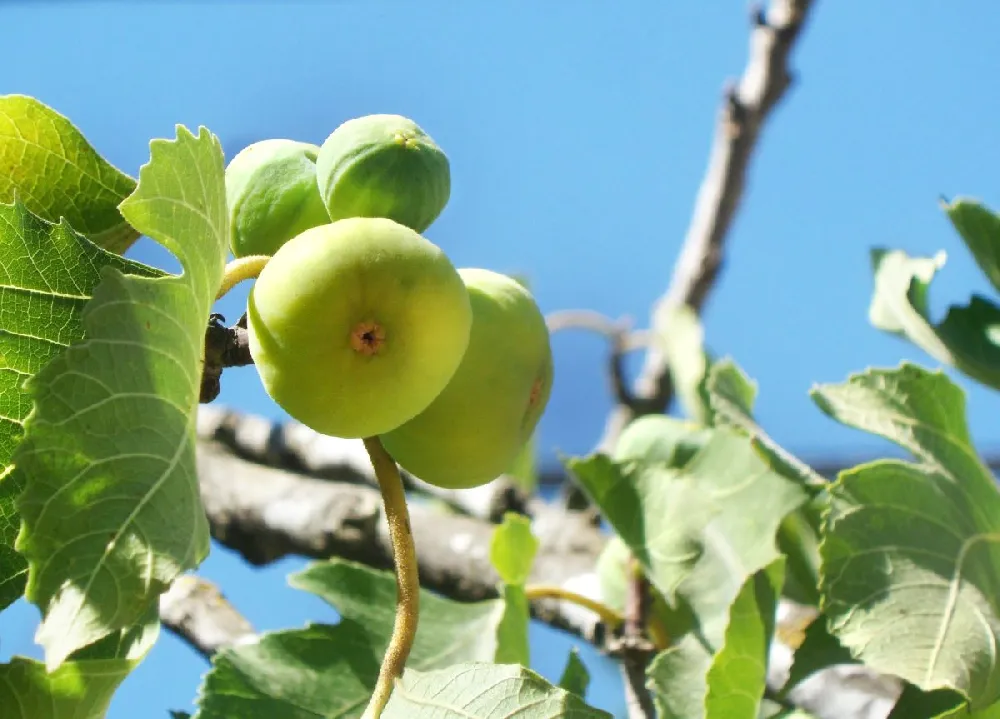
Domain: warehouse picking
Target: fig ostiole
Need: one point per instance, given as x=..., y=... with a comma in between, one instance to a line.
x=472, y=431
x=356, y=326
x=272, y=195
x=383, y=166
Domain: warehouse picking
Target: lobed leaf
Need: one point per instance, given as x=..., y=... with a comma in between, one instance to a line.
x=699, y=532
x=483, y=691
x=979, y=228
x=969, y=336
x=50, y=167
x=329, y=671
x=47, y=274
x=910, y=558
x=111, y=509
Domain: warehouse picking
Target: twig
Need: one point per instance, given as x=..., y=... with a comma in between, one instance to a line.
x=745, y=109
x=196, y=611
x=634, y=649
x=224, y=347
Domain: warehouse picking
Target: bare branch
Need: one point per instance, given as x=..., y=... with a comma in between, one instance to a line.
x=195, y=610
x=745, y=109
x=265, y=514
x=293, y=446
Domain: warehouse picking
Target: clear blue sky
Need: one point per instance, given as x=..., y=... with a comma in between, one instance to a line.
x=578, y=134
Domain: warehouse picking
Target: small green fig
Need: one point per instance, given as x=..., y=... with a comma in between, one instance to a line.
x=356, y=326
x=272, y=195
x=659, y=438
x=471, y=433
x=383, y=166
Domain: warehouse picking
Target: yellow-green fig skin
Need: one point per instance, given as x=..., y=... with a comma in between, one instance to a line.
x=272, y=195
x=473, y=431
x=383, y=166
x=356, y=326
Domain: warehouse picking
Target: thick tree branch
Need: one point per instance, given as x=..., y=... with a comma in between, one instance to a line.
x=745, y=109
x=265, y=514
x=195, y=610
x=295, y=447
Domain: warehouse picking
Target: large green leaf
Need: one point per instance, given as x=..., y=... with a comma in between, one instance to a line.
x=910, y=578
x=700, y=532
x=47, y=274
x=49, y=166
x=83, y=686
x=681, y=337
x=111, y=510
x=979, y=228
x=329, y=671
x=483, y=691
x=689, y=682
x=969, y=336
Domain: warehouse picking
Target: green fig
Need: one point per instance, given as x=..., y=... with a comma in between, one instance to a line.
x=658, y=438
x=272, y=195
x=472, y=432
x=383, y=166
x=356, y=326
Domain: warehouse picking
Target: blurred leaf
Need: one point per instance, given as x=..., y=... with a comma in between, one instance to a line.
x=179, y=715
x=512, y=552
x=700, y=532
x=682, y=338
x=660, y=439
x=51, y=168
x=47, y=274
x=575, y=677
x=689, y=683
x=325, y=670
x=939, y=704
x=513, y=549
x=820, y=650
x=111, y=510
x=482, y=691
x=968, y=337
x=979, y=227
x=910, y=559
x=732, y=395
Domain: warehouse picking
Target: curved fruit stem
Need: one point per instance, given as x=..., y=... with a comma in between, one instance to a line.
x=243, y=268
x=611, y=617
x=544, y=591
x=407, y=580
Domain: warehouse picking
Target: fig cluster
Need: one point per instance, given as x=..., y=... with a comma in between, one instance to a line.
x=359, y=326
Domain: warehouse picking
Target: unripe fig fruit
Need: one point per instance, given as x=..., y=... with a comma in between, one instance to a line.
x=661, y=439
x=472, y=432
x=383, y=166
x=272, y=195
x=355, y=326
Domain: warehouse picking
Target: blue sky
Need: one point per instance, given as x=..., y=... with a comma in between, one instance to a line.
x=578, y=134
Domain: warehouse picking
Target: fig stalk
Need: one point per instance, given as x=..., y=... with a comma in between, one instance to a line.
x=545, y=591
x=404, y=557
x=243, y=268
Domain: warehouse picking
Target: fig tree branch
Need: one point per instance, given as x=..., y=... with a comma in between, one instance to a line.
x=745, y=108
x=196, y=611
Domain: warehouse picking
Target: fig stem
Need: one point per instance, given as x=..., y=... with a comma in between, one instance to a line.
x=545, y=591
x=404, y=556
x=242, y=268
x=609, y=616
